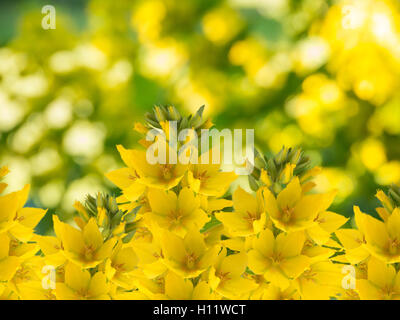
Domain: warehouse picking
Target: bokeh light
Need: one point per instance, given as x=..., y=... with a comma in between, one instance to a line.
x=321, y=74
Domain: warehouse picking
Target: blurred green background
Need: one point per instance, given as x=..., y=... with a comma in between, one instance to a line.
x=321, y=74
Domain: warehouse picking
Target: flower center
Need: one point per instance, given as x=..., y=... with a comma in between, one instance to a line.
x=308, y=243
x=175, y=216
x=190, y=260
x=50, y=296
x=142, y=232
x=202, y=176
x=22, y=275
x=250, y=218
x=134, y=176
x=88, y=252
x=14, y=244
x=276, y=258
x=351, y=294
x=157, y=255
x=60, y=272
x=223, y=276
x=160, y=282
x=309, y=275
x=119, y=267
x=386, y=292
x=166, y=171
x=287, y=214
x=19, y=218
x=82, y=294
x=318, y=219
x=394, y=245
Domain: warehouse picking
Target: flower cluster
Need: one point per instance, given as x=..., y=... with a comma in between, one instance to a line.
x=374, y=249
x=177, y=231
x=20, y=267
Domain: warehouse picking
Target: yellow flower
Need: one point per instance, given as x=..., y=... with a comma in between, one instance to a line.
x=188, y=257
x=161, y=176
x=80, y=285
x=207, y=179
x=51, y=248
x=278, y=259
x=149, y=252
x=28, y=281
x=150, y=258
x=178, y=288
x=248, y=217
x=383, y=282
x=16, y=219
x=293, y=211
x=29, y=270
x=121, y=265
x=123, y=178
x=315, y=252
x=142, y=232
x=162, y=237
x=8, y=263
x=226, y=278
x=176, y=213
x=326, y=223
x=353, y=243
x=127, y=178
x=211, y=204
x=33, y=290
x=27, y=219
x=272, y=292
x=382, y=238
x=320, y=281
x=84, y=247
x=9, y=205
x=151, y=287
x=212, y=235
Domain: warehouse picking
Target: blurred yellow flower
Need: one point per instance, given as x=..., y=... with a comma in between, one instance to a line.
x=221, y=25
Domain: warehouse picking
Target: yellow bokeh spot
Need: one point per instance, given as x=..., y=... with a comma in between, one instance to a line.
x=147, y=18
x=335, y=179
x=365, y=89
x=388, y=173
x=162, y=58
x=364, y=39
x=372, y=153
x=290, y=136
x=221, y=25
